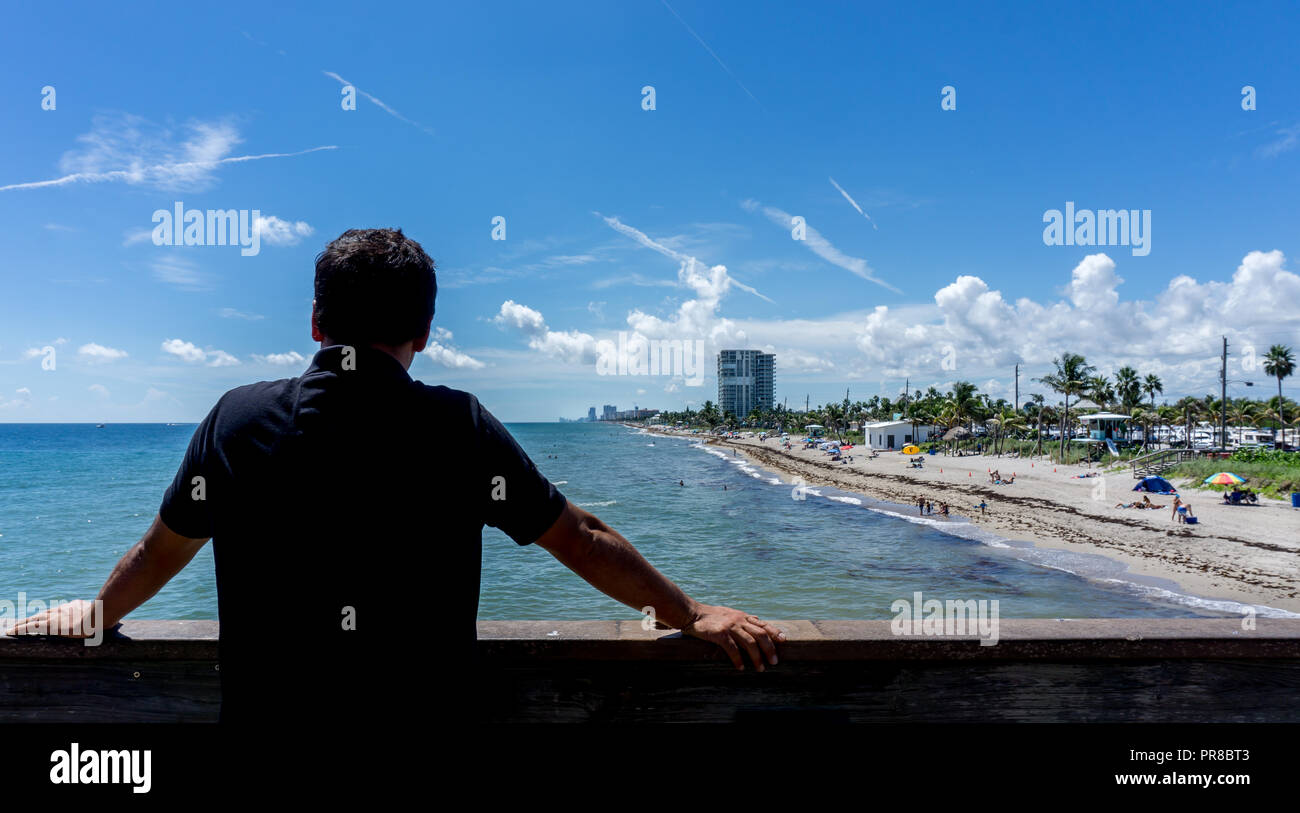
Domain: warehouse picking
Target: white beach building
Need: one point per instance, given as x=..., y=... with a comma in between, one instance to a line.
x=886, y=435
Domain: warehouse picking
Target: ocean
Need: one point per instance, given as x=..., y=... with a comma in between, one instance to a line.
x=74, y=498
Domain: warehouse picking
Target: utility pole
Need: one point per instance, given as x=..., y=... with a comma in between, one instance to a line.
x=1017, y=388
x=1223, y=397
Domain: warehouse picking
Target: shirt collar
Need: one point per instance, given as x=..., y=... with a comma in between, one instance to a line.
x=365, y=360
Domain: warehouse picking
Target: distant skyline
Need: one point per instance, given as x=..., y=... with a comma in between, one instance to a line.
x=865, y=191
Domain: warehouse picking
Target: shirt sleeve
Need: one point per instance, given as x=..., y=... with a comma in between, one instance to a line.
x=185, y=508
x=517, y=498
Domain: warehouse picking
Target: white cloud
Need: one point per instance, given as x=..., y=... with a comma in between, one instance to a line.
x=184, y=350
x=179, y=272
x=451, y=357
x=279, y=232
x=1288, y=138
x=99, y=390
x=130, y=149
x=571, y=346
x=137, y=236
x=98, y=352
x=231, y=313
x=220, y=358
x=682, y=259
x=292, y=358
x=23, y=391
x=1176, y=335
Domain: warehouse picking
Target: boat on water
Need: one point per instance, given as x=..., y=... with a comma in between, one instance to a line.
x=99, y=426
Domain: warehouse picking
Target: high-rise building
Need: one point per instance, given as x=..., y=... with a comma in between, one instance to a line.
x=610, y=412
x=746, y=380
x=591, y=414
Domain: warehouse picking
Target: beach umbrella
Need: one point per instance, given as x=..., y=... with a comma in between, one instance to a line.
x=957, y=433
x=1224, y=478
x=911, y=449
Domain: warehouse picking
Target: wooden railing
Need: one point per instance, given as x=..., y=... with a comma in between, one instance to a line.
x=1172, y=670
x=1159, y=462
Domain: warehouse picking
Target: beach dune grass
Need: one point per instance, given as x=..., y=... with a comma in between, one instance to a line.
x=1267, y=477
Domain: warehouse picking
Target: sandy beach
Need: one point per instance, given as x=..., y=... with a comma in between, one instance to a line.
x=1247, y=554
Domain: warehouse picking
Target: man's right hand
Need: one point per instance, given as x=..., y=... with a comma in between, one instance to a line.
x=733, y=630
x=75, y=619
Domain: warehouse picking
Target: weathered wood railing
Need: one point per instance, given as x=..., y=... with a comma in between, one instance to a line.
x=1159, y=462
x=1172, y=670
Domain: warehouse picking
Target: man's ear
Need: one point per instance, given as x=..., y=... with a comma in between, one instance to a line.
x=422, y=342
x=316, y=335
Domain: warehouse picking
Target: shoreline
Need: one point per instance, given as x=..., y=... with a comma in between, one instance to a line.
x=1249, y=558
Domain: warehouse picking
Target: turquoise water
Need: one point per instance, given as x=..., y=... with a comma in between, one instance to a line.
x=74, y=498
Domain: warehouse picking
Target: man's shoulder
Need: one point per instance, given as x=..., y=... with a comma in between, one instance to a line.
x=252, y=402
x=259, y=393
x=446, y=397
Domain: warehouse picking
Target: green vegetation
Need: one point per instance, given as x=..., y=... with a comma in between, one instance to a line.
x=998, y=427
x=1267, y=472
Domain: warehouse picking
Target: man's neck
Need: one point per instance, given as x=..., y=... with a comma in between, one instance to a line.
x=404, y=354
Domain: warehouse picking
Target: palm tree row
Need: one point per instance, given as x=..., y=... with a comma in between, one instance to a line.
x=1128, y=393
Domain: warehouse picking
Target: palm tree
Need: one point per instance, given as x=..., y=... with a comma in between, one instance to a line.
x=1069, y=378
x=1128, y=387
x=1279, y=362
x=965, y=402
x=834, y=416
x=1100, y=390
x=1152, y=384
x=1142, y=415
x=1009, y=421
x=1167, y=416
x=709, y=414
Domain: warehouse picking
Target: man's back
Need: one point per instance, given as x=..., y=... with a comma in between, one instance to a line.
x=346, y=508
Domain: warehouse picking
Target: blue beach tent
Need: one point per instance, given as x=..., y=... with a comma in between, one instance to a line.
x=1155, y=485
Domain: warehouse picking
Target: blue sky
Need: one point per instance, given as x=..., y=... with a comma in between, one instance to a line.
x=534, y=113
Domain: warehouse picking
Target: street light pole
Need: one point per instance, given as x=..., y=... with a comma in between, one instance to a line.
x=1223, y=398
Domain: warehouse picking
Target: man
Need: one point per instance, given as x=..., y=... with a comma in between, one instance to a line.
x=346, y=508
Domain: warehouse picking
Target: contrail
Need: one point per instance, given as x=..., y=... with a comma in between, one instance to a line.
x=710, y=50
x=853, y=203
x=819, y=245
x=390, y=111
x=143, y=173
x=644, y=239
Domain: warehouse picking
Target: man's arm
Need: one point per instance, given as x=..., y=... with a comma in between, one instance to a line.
x=609, y=563
x=147, y=566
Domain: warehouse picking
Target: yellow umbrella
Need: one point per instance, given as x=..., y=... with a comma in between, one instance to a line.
x=912, y=449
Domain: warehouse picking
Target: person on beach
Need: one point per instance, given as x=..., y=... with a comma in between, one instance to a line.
x=346, y=508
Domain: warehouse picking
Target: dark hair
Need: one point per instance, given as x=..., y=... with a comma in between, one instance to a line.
x=374, y=286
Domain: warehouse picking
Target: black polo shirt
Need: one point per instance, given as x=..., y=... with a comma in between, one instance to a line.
x=346, y=508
